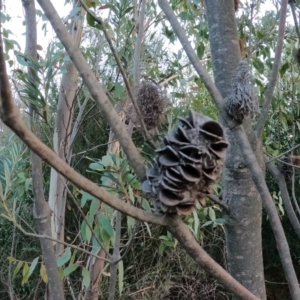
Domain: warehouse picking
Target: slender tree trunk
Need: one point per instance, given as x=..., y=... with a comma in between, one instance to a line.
x=61, y=138
x=41, y=209
x=243, y=223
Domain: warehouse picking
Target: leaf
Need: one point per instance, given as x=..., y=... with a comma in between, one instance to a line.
x=74, y=11
x=64, y=258
x=207, y=223
x=70, y=269
x=85, y=197
x=284, y=68
x=96, y=167
x=146, y=205
x=18, y=268
x=25, y=273
x=200, y=50
x=161, y=248
x=43, y=273
x=121, y=277
x=196, y=222
x=185, y=16
x=32, y=266
x=11, y=258
x=106, y=225
x=130, y=223
x=212, y=214
x=258, y=65
x=85, y=232
x=86, y=277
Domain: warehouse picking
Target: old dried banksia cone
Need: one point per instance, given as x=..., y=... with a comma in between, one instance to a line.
x=242, y=101
x=187, y=166
x=286, y=166
x=151, y=101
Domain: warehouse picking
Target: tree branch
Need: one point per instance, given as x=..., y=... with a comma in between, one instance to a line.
x=285, y=196
x=274, y=73
x=217, y=200
x=202, y=73
x=182, y=233
x=95, y=88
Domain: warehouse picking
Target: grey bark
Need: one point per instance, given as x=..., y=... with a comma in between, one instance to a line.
x=61, y=139
x=243, y=224
x=41, y=209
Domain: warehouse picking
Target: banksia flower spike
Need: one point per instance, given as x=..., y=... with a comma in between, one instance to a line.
x=187, y=166
x=242, y=100
x=151, y=101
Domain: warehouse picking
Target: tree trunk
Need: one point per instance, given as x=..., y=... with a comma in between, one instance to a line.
x=61, y=139
x=243, y=222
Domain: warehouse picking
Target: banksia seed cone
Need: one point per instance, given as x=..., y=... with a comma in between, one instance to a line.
x=188, y=165
x=151, y=101
x=286, y=168
x=242, y=101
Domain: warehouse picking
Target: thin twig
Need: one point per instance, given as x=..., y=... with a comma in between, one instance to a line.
x=274, y=73
x=284, y=153
x=285, y=196
x=40, y=236
x=217, y=200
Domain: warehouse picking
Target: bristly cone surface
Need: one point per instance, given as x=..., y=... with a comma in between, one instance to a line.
x=151, y=101
x=242, y=101
x=187, y=166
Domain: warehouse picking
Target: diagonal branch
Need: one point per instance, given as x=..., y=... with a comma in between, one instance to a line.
x=95, y=88
x=285, y=196
x=274, y=73
x=203, y=74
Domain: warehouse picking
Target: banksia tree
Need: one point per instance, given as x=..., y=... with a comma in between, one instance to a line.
x=242, y=100
x=151, y=101
x=187, y=166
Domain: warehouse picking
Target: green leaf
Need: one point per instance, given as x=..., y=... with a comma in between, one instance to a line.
x=33, y=265
x=185, y=16
x=43, y=273
x=196, y=222
x=212, y=214
x=161, y=248
x=146, y=205
x=96, y=167
x=85, y=232
x=85, y=197
x=18, y=268
x=119, y=91
x=207, y=223
x=64, y=258
x=86, y=277
x=70, y=269
x=284, y=68
x=106, y=225
x=258, y=65
x=25, y=273
x=74, y=11
x=200, y=50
